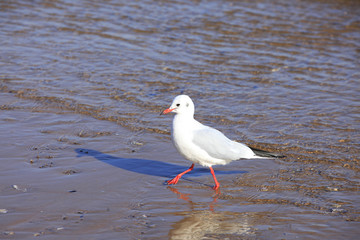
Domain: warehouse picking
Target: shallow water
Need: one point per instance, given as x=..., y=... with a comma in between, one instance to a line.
x=84, y=152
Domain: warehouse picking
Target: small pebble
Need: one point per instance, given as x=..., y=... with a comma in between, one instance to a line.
x=16, y=187
x=137, y=143
x=37, y=234
x=275, y=69
x=337, y=210
x=3, y=210
x=332, y=189
x=70, y=172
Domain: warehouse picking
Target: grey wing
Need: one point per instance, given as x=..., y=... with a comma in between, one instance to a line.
x=217, y=145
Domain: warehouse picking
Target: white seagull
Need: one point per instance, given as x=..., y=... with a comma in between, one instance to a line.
x=204, y=145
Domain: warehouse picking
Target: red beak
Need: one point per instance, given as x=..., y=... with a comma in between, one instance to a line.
x=166, y=111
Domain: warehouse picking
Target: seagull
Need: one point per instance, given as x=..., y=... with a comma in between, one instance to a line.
x=202, y=144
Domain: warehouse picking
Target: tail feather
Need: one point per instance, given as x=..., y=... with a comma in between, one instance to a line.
x=262, y=153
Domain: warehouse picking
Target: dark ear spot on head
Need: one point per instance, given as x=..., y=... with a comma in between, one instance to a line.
x=187, y=104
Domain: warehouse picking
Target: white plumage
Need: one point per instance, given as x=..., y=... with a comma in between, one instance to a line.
x=201, y=144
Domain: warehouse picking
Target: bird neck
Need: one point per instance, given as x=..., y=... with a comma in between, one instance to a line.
x=183, y=120
x=185, y=116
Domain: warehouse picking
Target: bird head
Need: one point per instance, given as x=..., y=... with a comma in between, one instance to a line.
x=182, y=104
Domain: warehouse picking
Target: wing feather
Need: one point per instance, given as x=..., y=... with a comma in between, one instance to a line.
x=217, y=145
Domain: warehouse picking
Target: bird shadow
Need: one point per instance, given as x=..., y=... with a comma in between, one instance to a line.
x=148, y=167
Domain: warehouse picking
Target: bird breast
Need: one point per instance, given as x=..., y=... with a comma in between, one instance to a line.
x=182, y=135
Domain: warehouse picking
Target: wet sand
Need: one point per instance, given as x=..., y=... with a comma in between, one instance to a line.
x=69, y=176
x=84, y=153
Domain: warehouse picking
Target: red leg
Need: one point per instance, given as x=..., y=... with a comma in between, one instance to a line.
x=176, y=179
x=217, y=184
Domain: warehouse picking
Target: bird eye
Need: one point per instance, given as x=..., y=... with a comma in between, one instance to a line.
x=178, y=104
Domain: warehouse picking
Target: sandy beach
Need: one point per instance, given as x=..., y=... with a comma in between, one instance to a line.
x=84, y=153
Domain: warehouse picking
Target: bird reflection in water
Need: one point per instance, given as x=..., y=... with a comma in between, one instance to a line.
x=186, y=197
x=210, y=224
